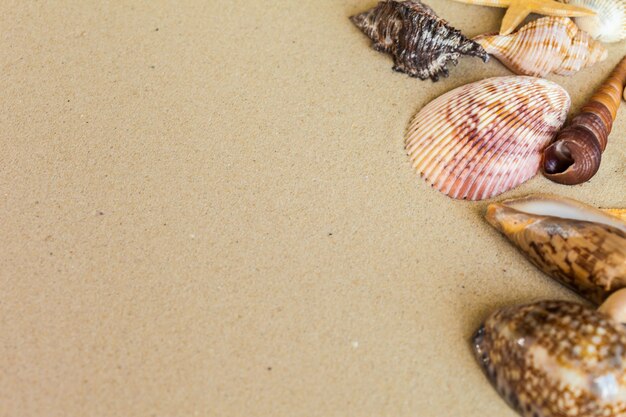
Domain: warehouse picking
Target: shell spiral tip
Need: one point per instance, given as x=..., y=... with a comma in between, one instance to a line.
x=575, y=156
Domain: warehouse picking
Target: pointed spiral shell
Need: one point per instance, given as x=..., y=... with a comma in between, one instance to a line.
x=575, y=155
x=544, y=46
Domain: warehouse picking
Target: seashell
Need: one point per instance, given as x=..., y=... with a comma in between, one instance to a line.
x=579, y=246
x=557, y=358
x=609, y=23
x=544, y=46
x=619, y=213
x=575, y=155
x=420, y=42
x=615, y=306
x=518, y=10
x=484, y=138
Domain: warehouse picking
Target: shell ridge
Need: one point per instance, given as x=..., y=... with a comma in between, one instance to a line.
x=486, y=96
x=501, y=153
x=531, y=154
x=499, y=142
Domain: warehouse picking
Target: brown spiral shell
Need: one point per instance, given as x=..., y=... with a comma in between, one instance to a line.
x=421, y=43
x=574, y=157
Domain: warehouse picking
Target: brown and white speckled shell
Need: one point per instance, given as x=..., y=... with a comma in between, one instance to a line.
x=547, y=45
x=579, y=246
x=555, y=359
x=485, y=138
x=421, y=43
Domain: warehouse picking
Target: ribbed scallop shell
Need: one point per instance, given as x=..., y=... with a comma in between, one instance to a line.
x=484, y=138
x=609, y=24
x=544, y=46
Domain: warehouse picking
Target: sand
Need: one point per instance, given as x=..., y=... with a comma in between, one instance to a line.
x=207, y=210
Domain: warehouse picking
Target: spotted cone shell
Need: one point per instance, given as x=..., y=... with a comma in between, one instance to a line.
x=609, y=23
x=484, y=138
x=547, y=45
x=555, y=359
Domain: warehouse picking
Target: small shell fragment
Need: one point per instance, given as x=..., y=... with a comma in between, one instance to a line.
x=544, y=46
x=421, y=43
x=484, y=138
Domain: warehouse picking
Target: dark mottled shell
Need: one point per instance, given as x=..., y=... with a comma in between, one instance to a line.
x=420, y=42
x=555, y=359
x=575, y=155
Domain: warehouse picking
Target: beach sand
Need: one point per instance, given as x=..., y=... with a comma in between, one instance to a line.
x=207, y=210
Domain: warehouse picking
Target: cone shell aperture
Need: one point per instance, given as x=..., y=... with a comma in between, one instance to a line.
x=484, y=138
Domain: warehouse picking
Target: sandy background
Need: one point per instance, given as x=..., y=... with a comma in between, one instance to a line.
x=207, y=210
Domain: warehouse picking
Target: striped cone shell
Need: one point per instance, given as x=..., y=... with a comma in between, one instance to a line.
x=547, y=45
x=484, y=138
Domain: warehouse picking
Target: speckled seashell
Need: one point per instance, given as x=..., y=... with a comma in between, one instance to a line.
x=421, y=43
x=544, y=46
x=555, y=359
x=578, y=245
x=609, y=23
x=484, y=138
x=575, y=155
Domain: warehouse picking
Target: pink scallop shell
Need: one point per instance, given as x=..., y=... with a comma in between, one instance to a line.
x=482, y=139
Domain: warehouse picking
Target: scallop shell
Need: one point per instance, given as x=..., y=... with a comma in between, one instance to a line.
x=555, y=359
x=609, y=23
x=575, y=155
x=484, y=138
x=421, y=43
x=578, y=245
x=544, y=46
